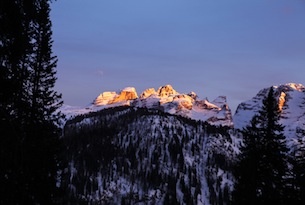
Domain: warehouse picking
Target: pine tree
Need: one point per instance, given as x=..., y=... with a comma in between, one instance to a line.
x=246, y=172
x=262, y=168
x=13, y=100
x=29, y=124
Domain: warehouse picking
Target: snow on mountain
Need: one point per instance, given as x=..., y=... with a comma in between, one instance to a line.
x=146, y=153
x=291, y=100
x=72, y=111
x=131, y=155
x=166, y=99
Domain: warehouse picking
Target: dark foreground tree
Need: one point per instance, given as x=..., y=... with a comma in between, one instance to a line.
x=29, y=139
x=296, y=189
x=262, y=167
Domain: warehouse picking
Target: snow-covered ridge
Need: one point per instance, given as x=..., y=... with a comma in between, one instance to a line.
x=149, y=155
x=291, y=101
x=165, y=98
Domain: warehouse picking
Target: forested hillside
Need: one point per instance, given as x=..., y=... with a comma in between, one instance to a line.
x=128, y=155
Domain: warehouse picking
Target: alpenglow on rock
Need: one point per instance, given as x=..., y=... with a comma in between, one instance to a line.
x=291, y=102
x=108, y=98
x=166, y=99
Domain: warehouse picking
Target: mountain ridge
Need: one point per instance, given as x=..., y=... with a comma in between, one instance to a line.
x=130, y=155
x=291, y=102
x=166, y=99
x=144, y=150
x=216, y=112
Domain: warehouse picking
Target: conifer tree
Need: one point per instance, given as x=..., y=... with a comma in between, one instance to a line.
x=29, y=141
x=262, y=167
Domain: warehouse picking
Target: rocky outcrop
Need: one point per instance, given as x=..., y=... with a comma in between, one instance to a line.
x=282, y=100
x=184, y=101
x=188, y=105
x=205, y=104
x=193, y=95
x=166, y=91
x=108, y=98
x=147, y=93
x=104, y=98
x=126, y=94
x=167, y=99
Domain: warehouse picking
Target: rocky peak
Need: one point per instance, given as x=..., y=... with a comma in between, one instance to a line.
x=107, y=98
x=290, y=87
x=193, y=95
x=128, y=93
x=167, y=90
x=147, y=93
x=291, y=102
x=167, y=100
x=104, y=98
x=220, y=101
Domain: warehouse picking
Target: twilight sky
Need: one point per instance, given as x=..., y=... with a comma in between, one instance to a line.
x=224, y=47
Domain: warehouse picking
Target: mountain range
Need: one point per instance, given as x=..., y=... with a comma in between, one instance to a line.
x=163, y=147
x=291, y=99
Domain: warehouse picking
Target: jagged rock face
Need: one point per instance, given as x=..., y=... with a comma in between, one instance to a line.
x=108, y=98
x=166, y=99
x=282, y=100
x=291, y=102
x=166, y=91
x=126, y=94
x=148, y=93
x=204, y=104
x=220, y=101
x=193, y=95
x=184, y=101
x=105, y=98
x=188, y=105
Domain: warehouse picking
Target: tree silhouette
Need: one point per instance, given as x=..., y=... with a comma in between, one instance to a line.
x=28, y=103
x=260, y=173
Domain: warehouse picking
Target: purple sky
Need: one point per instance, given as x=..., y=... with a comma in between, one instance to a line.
x=224, y=47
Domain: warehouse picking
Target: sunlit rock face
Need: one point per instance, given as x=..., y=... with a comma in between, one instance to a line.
x=147, y=93
x=107, y=98
x=126, y=94
x=282, y=100
x=167, y=99
x=166, y=91
x=104, y=98
x=184, y=101
x=291, y=103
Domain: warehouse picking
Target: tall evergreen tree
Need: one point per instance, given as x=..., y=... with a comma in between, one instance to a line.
x=262, y=167
x=29, y=142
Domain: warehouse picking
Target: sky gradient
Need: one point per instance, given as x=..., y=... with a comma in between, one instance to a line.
x=224, y=47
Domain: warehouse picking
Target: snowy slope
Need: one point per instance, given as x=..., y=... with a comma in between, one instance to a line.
x=291, y=99
x=147, y=152
x=139, y=156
